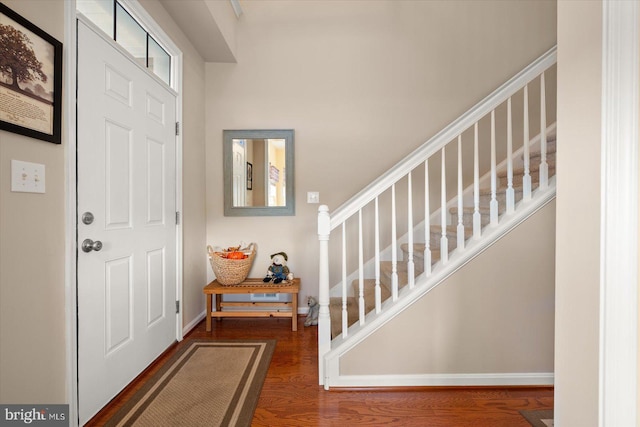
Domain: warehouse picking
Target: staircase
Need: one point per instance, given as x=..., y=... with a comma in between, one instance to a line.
x=386, y=267
x=434, y=211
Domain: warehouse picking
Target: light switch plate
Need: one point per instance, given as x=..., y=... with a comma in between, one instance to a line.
x=313, y=197
x=27, y=177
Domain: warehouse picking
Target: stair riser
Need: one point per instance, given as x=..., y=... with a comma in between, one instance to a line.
x=501, y=197
x=418, y=262
x=517, y=179
x=418, y=256
x=534, y=158
x=436, y=237
x=467, y=218
x=335, y=309
x=551, y=148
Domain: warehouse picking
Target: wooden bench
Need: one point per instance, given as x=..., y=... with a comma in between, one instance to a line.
x=253, y=286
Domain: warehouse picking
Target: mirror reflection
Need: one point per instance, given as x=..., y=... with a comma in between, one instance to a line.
x=258, y=172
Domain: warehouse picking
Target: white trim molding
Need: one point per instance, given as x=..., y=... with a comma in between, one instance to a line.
x=446, y=380
x=618, y=376
x=69, y=106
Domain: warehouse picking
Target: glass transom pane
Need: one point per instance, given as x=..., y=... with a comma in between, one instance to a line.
x=127, y=32
x=100, y=12
x=130, y=35
x=159, y=61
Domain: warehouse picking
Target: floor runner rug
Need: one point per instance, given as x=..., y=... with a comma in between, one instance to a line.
x=207, y=383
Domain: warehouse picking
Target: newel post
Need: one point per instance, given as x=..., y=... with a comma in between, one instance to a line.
x=324, y=318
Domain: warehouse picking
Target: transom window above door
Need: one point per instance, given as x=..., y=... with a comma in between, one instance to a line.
x=112, y=18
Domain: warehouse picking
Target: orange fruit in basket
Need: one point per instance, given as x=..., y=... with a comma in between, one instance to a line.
x=236, y=255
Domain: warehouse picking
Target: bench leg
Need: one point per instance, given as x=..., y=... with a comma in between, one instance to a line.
x=209, y=297
x=294, y=312
x=218, y=306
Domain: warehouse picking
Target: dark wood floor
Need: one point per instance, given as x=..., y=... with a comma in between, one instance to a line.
x=291, y=395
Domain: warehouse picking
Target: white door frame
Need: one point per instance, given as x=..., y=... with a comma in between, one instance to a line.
x=618, y=376
x=69, y=106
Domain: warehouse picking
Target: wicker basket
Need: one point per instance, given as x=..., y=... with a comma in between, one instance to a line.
x=232, y=271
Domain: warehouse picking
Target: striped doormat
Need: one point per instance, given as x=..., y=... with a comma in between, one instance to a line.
x=208, y=383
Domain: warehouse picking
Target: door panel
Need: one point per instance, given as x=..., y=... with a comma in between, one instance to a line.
x=126, y=178
x=118, y=303
x=118, y=176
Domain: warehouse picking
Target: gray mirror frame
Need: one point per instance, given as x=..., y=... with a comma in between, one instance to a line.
x=288, y=136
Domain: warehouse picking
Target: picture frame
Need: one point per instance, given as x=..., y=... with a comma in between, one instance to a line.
x=249, y=176
x=31, y=88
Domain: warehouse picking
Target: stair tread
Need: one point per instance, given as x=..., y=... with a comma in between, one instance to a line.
x=451, y=229
x=533, y=170
x=369, y=287
x=418, y=249
x=471, y=209
x=501, y=189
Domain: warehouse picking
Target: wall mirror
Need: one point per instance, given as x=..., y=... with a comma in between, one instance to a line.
x=258, y=172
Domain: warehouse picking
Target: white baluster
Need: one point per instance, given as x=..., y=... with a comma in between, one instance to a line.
x=394, y=246
x=460, y=230
x=360, y=270
x=427, y=222
x=477, y=219
x=345, y=314
x=324, y=317
x=526, y=179
x=544, y=167
x=511, y=196
x=493, y=205
x=444, y=242
x=377, y=258
x=410, y=264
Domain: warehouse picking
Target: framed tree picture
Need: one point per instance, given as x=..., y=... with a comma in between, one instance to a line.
x=30, y=79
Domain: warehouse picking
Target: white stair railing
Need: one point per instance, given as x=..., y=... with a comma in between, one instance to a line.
x=477, y=219
x=385, y=191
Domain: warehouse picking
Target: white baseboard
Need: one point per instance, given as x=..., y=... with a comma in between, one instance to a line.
x=189, y=326
x=424, y=380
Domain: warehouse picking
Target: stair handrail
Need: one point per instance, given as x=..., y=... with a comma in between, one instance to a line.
x=442, y=138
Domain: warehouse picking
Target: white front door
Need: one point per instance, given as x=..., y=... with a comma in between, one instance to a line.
x=126, y=179
x=239, y=170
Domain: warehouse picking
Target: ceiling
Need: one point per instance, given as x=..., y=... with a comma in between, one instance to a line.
x=196, y=21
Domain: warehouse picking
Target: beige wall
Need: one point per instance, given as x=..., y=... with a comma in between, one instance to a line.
x=32, y=256
x=495, y=315
x=362, y=84
x=578, y=212
x=32, y=233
